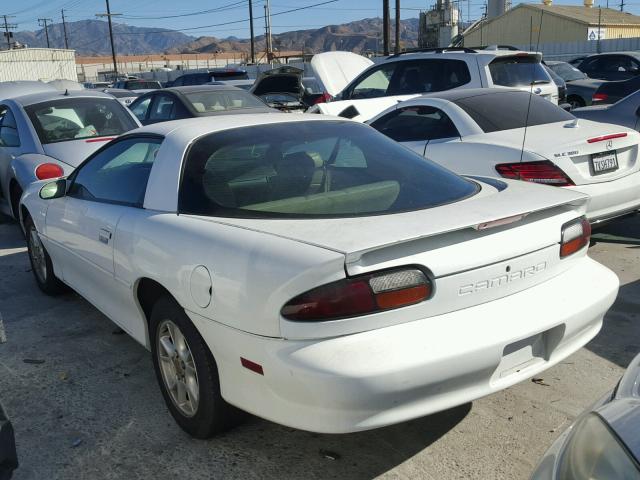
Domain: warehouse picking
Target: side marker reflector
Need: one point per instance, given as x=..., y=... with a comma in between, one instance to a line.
x=253, y=366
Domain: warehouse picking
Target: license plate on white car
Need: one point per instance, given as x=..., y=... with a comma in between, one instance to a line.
x=604, y=162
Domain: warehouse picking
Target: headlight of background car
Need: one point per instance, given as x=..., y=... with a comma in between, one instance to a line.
x=595, y=453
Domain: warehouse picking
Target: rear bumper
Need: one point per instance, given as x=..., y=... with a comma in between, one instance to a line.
x=612, y=199
x=393, y=374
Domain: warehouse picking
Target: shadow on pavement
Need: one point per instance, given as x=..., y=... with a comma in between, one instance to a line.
x=624, y=231
x=619, y=339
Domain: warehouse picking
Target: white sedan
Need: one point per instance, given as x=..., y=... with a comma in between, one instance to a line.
x=482, y=132
x=313, y=272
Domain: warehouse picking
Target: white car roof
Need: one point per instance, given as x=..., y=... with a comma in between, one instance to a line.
x=190, y=128
x=40, y=97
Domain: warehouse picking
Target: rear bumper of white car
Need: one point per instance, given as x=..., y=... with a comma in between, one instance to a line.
x=612, y=199
x=393, y=374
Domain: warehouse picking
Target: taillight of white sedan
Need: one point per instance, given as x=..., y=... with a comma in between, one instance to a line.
x=313, y=272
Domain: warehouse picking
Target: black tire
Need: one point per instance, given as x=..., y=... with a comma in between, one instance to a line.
x=576, y=102
x=47, y=281
x=213, y=414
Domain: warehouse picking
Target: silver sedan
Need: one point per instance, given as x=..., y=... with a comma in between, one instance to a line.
x=49, y=133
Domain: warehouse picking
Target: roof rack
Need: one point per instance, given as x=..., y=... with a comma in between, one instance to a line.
x=435, y=50
x=497, y=47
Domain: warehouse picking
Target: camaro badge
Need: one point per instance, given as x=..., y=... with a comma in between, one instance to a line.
x=502, y=280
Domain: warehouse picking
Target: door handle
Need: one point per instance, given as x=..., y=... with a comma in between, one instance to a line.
x=104, y=235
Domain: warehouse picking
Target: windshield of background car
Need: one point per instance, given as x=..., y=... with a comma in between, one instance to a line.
x=78, y=118
x=409, y=77
x=567, y=72
x=216, y=101
x=494, y=112
x=311, y=169
x=142, y=85
x=517, y=71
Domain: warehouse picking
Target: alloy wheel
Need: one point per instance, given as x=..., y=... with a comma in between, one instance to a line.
x=178, y=368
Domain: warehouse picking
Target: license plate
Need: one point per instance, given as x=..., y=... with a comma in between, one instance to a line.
x=604, y=162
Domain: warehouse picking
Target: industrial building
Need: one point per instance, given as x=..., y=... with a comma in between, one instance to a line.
x=37, y=64
x=532, y=24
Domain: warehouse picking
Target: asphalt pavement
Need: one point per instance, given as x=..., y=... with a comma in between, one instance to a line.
x=85, y=404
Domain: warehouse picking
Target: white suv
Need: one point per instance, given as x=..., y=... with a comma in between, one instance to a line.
x=408, y=75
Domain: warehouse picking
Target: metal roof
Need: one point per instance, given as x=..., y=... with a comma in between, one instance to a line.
x=589, y=16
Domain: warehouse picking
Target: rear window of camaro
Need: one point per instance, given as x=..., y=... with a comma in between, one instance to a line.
x=311, y=169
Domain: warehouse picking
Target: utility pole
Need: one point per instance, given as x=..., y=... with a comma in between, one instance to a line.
x=599, y=28
x=622, y=5
x=267, y=27
x=253, y=42
x=7, y=28
x=397, y=50
x=44, y=23
x=64, y=27
x=113, y=48
x=385, y=27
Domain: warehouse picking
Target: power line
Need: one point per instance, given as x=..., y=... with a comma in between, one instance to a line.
x=201, y=12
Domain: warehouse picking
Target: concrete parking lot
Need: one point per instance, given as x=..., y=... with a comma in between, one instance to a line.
x=85, y=404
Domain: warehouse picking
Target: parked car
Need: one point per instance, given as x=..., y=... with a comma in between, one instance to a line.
x=8, y=456
x=137, y=84
x=577, y=61
x=243, y=84
x=47, y=134
x=411, y=74
x=200, y=78
x=603, y=443
x=611, y=65
x=282, y=88
x=175, y=103
x=97, y=85
x=482, y=132
x=313, y=272
x=580, y=88
x=560, y=83
x=611, y=92
x=125, y=97
x=625, y=112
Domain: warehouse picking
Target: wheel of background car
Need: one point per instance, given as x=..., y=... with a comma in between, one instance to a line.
x=187, y=373
x=576, y=102
x=41, y=262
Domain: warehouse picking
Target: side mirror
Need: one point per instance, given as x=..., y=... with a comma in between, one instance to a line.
x=55, y=189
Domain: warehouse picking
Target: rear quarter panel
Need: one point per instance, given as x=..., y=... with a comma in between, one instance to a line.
x=253, y=274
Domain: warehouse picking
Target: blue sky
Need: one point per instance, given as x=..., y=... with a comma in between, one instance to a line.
x=233, y=12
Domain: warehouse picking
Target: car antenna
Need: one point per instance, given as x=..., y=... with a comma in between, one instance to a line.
x=526, y=120
x=66, y=92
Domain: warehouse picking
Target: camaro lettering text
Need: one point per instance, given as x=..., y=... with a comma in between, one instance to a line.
x=502, y=280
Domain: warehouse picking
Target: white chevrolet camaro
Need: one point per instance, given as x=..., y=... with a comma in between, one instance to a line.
x=482, y=132
x=313, y=272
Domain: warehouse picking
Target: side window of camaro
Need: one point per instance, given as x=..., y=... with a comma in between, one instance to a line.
x=118, y=174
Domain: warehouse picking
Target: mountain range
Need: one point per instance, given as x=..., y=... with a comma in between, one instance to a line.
x=91, y=37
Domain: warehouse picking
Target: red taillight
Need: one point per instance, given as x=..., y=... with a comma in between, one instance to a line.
x=49, y=170
x=599, y=97
x=360, y=295
x=324, y=98
x=606, y=137
x=575, y=235
x=543, y=172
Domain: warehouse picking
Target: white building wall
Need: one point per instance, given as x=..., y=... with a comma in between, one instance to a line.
x=37, y=64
